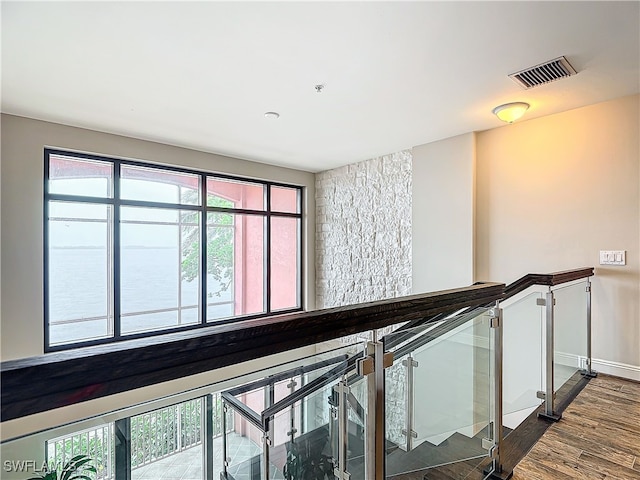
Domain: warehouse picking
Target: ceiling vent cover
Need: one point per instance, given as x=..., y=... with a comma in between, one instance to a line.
x=544, y=73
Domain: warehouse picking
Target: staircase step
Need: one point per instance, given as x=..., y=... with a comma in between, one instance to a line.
x=425, y=456
x=467, y=470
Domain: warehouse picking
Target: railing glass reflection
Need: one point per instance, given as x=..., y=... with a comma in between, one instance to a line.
x=445, y=374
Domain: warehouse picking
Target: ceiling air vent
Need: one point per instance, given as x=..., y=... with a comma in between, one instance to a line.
x=544, y=73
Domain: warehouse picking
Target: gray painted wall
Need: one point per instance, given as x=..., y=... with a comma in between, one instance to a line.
x=443, y=217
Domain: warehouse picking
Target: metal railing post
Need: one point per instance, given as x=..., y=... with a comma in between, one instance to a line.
x=223, y=421
x=379, y=411
x=292, y=411
x=498, y=430
x=342, y=391
x=372, y=366
x=269, y=399
x=303, y=420
x=588, y=371
x=549, y=393
x=410, y=364
x=371, y=428
x=266, y=443
x=207, y=407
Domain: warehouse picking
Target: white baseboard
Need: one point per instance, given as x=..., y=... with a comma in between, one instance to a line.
x=569, y=360
x=632, y=372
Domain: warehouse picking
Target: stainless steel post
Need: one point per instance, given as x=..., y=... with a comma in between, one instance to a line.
x=303, y=420
x=379, y=411
x=550, y=351
x=292, y=411
x=264, y=464
x=269, y=399
x=208, y=407
x=371, y=430
x=409, y=363
x=375, y=428
x=498, y=433
x=225, y=460
x=343, y=391
x=372, y=367
x=269, y=395
x=549, y=393
x=588, y=371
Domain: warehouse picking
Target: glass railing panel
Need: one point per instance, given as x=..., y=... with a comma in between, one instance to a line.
x=570, y=331
x=299, y=410
x=160, y=441
x=303, y=453
x=243, y=449
x=396, y=382
x=449, y=371
x=315, y=412
x=396, y=403
x=273, y=390
x=287, y=422
x=175, y=431
x=169, y=434
x=522, y=368
x=357, y=408
x=285, y=387
x=222, y=421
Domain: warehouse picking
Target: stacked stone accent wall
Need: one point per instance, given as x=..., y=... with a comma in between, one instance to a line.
x=363, y=231
x=363, y=249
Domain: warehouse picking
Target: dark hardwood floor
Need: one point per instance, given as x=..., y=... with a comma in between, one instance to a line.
x=598, y=437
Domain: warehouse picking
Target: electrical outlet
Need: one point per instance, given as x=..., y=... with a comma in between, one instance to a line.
x=613, y=257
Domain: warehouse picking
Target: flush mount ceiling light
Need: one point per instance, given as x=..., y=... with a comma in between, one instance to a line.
x=272, y=115
x=510, y=112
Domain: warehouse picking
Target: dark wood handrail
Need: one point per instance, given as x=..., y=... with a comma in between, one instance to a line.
x=45, y=382
x=546, y=279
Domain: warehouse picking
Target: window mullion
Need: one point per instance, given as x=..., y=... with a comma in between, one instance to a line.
x=116, y=251
x=46, y=255
x=203, y=249
x=179, y=239
x=300, y=244
x=267, y=252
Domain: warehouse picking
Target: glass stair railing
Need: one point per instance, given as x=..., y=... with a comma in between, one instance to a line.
x=418, y=403
x=546, y=346
x=304, y=422
x=444, y=415
x=523, y=356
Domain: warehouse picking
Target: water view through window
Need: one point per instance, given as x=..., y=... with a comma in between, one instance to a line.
x=132, y=249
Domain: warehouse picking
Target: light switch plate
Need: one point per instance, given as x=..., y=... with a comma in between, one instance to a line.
x=613, y=257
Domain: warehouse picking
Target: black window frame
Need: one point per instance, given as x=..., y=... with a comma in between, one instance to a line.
x=203, y=209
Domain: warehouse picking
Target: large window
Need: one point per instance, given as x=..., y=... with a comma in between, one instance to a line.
x=133, y=249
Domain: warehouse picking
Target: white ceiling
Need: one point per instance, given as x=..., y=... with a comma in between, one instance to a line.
x=202, y=74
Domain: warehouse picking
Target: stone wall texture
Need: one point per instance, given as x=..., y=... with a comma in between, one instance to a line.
x=363, y=251
x=363, y=231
